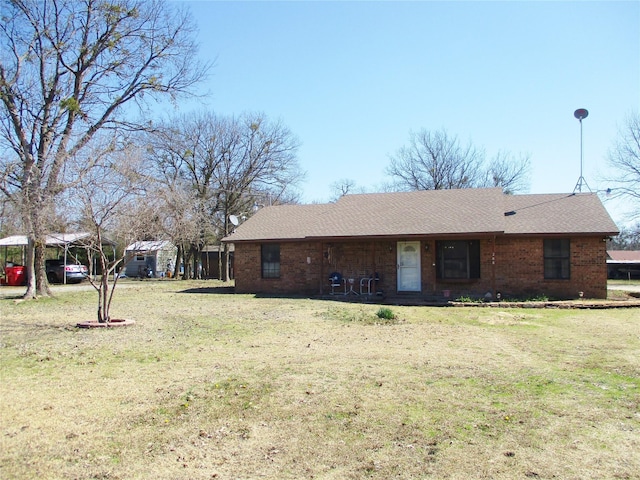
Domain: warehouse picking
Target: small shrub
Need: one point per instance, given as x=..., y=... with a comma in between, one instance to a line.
x=534, y=298
x=539, y=298
x=466, y=300
x=386, y=314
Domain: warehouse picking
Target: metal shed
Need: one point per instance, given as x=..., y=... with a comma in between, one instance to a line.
x=150, y=259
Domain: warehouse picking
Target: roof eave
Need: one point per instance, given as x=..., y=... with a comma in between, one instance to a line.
x=395, y=236
x=561, y=234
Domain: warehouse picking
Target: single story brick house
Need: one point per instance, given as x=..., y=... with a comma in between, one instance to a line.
x=426, y=244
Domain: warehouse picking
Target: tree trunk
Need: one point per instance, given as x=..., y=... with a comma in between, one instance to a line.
x=37, y=283
x=30, y=270
x=103, y=306
x=42, y=283
x=187, y=265
x=176, y=268
x=197, y=272
x=106, y=316
x=227, y=256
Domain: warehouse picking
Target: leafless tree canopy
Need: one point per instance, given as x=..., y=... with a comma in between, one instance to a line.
x=344, y=186
x=509, y=172
x=214, y=166
x=72, y=68
x=436, y=160
x=624, y=158
x=111, y=204
x=627, y=239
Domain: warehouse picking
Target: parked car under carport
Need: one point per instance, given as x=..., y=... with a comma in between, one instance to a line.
x=57, y=271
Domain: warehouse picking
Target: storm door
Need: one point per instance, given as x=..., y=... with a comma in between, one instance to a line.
x=408, y=266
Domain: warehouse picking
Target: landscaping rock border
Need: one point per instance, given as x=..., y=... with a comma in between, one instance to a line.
x=115, y=322
x=604, y=304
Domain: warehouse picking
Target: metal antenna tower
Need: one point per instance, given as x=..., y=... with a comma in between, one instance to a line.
x=580, y=114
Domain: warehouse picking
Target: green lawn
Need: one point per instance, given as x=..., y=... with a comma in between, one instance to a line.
x=211, y=385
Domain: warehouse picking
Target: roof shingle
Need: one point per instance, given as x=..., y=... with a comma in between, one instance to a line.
x=430, y=212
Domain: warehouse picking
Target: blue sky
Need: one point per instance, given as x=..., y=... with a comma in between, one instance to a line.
x=352, y=79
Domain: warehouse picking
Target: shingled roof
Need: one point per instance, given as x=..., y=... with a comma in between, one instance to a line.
x=430, y=212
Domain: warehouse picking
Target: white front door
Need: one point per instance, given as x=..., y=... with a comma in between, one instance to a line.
x=408, y=266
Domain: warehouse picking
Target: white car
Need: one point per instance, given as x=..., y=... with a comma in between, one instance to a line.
x=57, y=270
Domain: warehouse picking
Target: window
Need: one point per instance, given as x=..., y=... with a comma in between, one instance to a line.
x=271, y=260
x=458, y=259
x=556, y=258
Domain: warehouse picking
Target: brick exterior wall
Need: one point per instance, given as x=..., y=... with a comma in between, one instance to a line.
x=521, y=271
x=299, y=269
x=513, y=266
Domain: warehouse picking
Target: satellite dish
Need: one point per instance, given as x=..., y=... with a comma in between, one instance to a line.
x=581, y=113
x=233, y=219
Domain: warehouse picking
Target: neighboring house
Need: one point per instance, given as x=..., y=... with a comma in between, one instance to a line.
x=434, y=243
x=150, y=259
x=623, y=264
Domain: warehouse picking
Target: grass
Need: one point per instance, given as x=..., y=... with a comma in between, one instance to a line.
x=213, y=385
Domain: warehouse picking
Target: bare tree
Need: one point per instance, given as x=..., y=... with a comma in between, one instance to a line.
x=228, y=165
x=344, y=186
x=9, y=218
x=111, y=203
x=182, y=221
x=627, y=239
x=186, y=152
x=259, y=165
x=509, y=172
x=436, y=160
x=624, y=159
x=70, y=69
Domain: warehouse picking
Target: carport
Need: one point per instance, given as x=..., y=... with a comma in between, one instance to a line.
x=53, y=240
